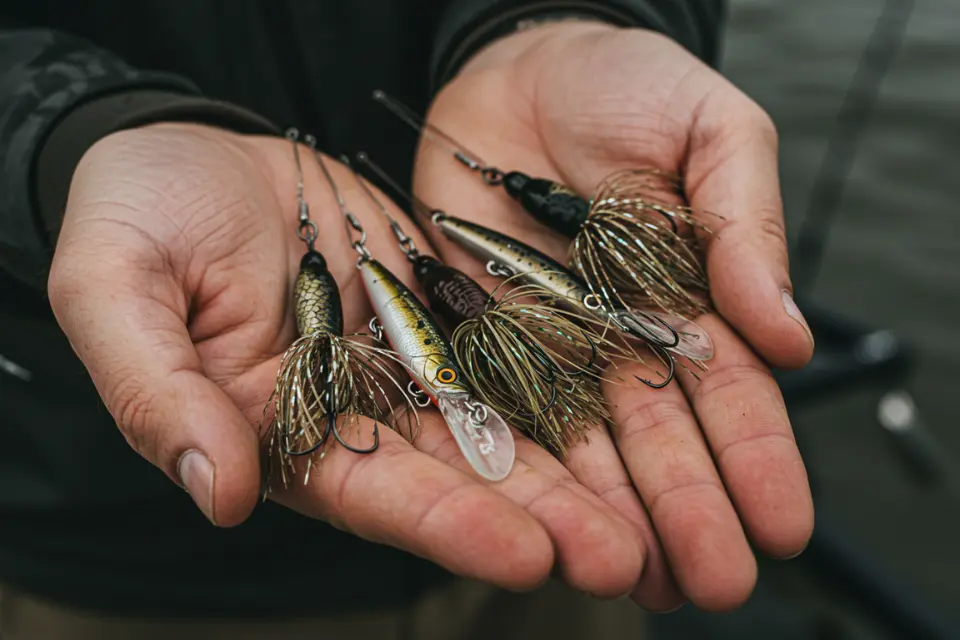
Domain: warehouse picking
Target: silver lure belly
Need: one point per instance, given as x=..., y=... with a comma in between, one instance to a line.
x=411, y=331
x=530, y=265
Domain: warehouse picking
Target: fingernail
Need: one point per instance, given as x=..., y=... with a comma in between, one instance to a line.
x=196, y=476
x=795, y=555
x=794, y=312
x=673, y=610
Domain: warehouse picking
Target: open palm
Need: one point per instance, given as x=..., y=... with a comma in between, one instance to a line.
x=703, y=465
x=172, y=279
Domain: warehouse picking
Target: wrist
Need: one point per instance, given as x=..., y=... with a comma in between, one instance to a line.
x=80, y=129
x=532, y=36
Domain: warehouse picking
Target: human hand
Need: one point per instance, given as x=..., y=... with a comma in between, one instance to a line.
x=710, y=462
x=172, y=279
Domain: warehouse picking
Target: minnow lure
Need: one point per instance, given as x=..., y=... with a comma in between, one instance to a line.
x=523, y=357
x=627, y=244
x=324, y=376
x=481, y=434
x=508, y=258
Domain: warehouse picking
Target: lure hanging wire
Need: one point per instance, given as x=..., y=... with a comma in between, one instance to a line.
x=480, y=432
x=509, y=258
x=537, y=364
x=629, y=242
x=326, y=380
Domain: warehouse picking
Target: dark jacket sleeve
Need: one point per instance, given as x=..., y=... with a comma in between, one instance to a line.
x=469, y=25
x=58, y=95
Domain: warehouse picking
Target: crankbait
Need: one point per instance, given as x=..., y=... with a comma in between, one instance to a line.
x=481, y=434
x=509, y=258
x=324, y=376
x=627, y=240
x=525, y=358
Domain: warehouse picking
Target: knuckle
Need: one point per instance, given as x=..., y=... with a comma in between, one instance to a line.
x=760, y=123
x=338, y=502
x=771, y=227
x=650, y=415
x=133, y=407
x=64, y=281
x=730, y=379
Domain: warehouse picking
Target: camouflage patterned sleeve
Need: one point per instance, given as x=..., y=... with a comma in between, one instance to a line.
x=58, y=95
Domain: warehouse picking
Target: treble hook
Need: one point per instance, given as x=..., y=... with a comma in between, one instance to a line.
x=594, y=354
x=370, y=449
x=551, y=372
x=331, y=420
x=673, y=223
x=634, y=328
x=552, y=369
x=553, y=400
x=671, y=372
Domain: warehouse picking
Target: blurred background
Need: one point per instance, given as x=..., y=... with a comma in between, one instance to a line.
x=865, y=94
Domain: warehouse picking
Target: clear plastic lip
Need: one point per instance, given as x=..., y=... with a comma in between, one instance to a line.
x=694, y=342
x=483, y=437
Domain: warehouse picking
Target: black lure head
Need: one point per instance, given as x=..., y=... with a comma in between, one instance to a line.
x=315, y=262
x=453, y=295
x=552, y=203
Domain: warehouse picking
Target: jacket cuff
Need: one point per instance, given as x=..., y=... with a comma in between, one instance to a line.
x=469, y=25
x=85, y=124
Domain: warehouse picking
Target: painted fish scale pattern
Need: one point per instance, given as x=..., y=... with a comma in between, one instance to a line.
x=317, y=303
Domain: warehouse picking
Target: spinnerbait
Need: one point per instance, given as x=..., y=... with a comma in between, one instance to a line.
x=509, y=258
x=534, y=362
x=628, y=243
x=324, y=376
x=481, y=434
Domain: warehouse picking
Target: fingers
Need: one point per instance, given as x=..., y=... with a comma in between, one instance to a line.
x=596, y=465
x=126, y=322
x=670, y=465
x=597, y=551
x=397, y=495
x=732, y=170
x=745, y=422
x=407, y=499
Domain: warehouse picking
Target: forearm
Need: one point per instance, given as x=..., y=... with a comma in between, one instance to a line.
x=469, y=25
x=58, y=96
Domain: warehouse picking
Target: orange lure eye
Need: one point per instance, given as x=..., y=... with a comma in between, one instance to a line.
x=446, y=375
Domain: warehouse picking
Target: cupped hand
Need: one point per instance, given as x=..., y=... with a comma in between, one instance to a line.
x=172, y=278
x=706, y=464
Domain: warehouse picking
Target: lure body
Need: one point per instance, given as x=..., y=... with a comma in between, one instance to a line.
x=324, y=377
x=413, y=333
x=628, y=245
x=317, y=298
x=452, y=294
x=521, y=356
x=552, y=203
x=537, y=268
x=518, y=258
x=482, y=435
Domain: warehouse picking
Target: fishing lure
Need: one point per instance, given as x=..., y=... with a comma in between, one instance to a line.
x=480, y=432
x=630, y=249
x=522, y=355
x=509, y=258
x=627, y=240
x=324, y=376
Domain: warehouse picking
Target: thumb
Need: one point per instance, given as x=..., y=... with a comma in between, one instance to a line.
x=139, y=354
x=732, y=171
